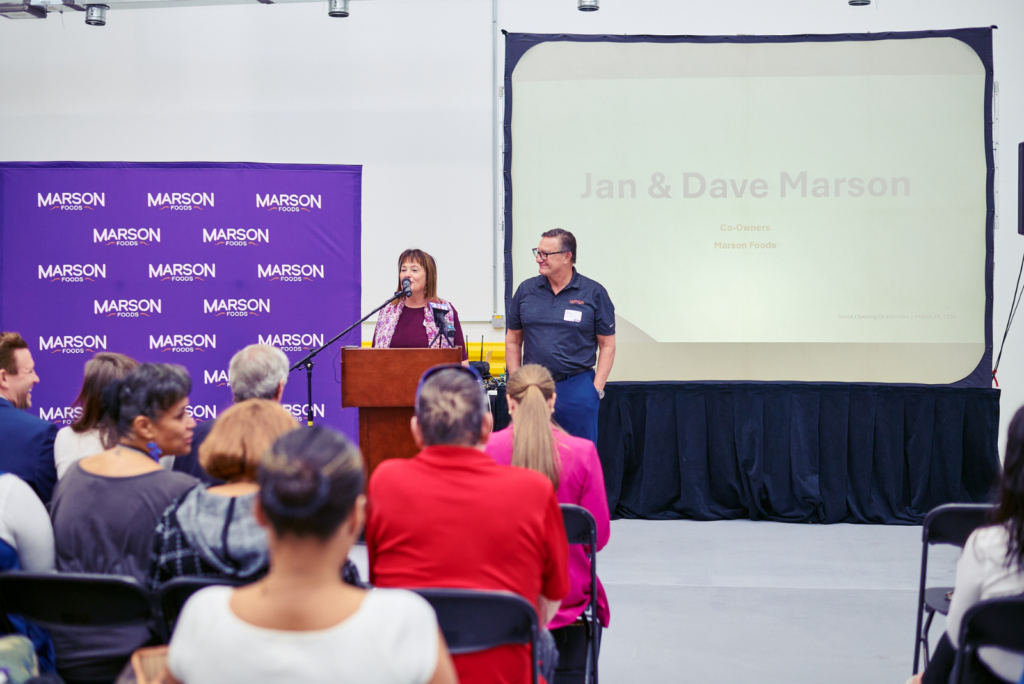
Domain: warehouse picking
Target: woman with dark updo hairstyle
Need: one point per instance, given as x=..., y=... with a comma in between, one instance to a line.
x=301, y=623
x=106, y=507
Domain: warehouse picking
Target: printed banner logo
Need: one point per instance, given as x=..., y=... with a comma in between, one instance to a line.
x=182, y=343
x=73, y=344
x=293, y=342
x=180, y=201
x=299, y=411
x=127, y=308
x=182, y=272
x=201, y=412
x=72, y=201
x=289, y=272
x=288, y=202
x=61, y=415
x=217, y=378
x=126, y=237
x=236, y=307
x=236, y=237
x=72, y=273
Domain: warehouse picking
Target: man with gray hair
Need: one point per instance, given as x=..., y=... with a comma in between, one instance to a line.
x=258, y=371
x=452, y=517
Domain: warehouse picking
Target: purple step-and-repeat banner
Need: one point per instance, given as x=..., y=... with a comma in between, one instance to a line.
x=181, y=263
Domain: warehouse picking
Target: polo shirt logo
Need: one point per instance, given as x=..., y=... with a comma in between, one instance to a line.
x=576, y=301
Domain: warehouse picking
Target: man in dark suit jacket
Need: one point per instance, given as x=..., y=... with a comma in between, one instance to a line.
x=26, y=442
x=258, y=371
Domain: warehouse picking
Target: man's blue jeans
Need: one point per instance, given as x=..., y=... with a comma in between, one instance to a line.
x=576, y=405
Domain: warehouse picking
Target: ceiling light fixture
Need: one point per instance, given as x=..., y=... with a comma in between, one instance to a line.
x=96, y=15
x=337, y=8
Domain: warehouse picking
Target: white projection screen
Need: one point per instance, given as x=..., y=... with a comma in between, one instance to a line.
x=764, y=209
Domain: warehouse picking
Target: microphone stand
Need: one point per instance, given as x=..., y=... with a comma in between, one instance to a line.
x=437, y=337
x=307, y=362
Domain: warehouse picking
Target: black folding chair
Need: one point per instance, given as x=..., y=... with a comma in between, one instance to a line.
x=997, y=622
x=171, y=598
x=52, y=598
x=948, y=524
x=581, y=528
x=474, y=621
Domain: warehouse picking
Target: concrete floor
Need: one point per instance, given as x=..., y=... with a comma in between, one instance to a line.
x=773, y=603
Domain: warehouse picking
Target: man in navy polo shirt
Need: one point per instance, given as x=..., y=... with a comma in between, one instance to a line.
x=563, y=319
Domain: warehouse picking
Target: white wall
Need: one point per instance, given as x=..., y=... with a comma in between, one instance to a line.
x=404, y=88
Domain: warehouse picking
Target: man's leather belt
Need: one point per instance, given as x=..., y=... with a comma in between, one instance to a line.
x=559, y=377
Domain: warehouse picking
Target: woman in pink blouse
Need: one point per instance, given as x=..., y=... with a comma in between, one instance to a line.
x=410, y=322
x=533, y=441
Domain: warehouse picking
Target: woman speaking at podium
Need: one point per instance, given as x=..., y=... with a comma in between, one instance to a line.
x=421, y=319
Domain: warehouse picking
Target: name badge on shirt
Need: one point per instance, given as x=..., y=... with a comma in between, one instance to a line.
x=573, y=316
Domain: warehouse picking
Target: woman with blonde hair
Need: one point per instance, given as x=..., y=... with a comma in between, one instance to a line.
x=211, y=532
x=421, y=319
x=534, y=441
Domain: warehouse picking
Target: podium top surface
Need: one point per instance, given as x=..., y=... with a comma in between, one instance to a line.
x=387, y=378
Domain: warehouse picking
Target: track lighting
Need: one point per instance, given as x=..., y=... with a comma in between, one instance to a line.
x=96, y=15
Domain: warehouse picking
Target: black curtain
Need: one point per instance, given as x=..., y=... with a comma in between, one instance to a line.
x=796, y=452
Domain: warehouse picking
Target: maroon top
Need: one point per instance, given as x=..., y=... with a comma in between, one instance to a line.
x=410, y=333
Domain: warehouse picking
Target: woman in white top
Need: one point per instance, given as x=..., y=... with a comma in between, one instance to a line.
x=26, y=543
x=990, y=566
x=85, y=436
x=24, y=528
x=301, y=623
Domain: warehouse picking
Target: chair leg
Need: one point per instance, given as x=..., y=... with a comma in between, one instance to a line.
x=589, y=668
x=924, y=637
x=596, y=648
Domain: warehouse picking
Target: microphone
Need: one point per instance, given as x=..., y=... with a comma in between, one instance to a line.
x=406, y=287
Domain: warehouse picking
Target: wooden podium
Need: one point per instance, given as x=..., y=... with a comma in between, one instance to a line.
x=382, y=384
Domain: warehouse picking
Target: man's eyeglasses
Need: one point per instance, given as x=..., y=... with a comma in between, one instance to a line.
x=544, y=255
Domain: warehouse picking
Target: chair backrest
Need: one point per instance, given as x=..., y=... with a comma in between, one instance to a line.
x=996, y=622
x=75, y=598
x=580, y=526
x=172, y=596
x=474, y=621
x=953, y=523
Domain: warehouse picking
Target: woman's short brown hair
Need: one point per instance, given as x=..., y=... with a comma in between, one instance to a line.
x=233, y=449
x=101, y=370
x=418, y=256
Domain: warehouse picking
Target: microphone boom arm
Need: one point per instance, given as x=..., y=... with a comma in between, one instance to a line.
x=307, y=361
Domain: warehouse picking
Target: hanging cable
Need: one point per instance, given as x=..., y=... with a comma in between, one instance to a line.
x=1014, y=304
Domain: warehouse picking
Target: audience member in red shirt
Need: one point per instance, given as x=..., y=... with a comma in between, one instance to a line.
x=452, y=517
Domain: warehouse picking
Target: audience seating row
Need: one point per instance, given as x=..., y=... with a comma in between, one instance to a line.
x=470, y=620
